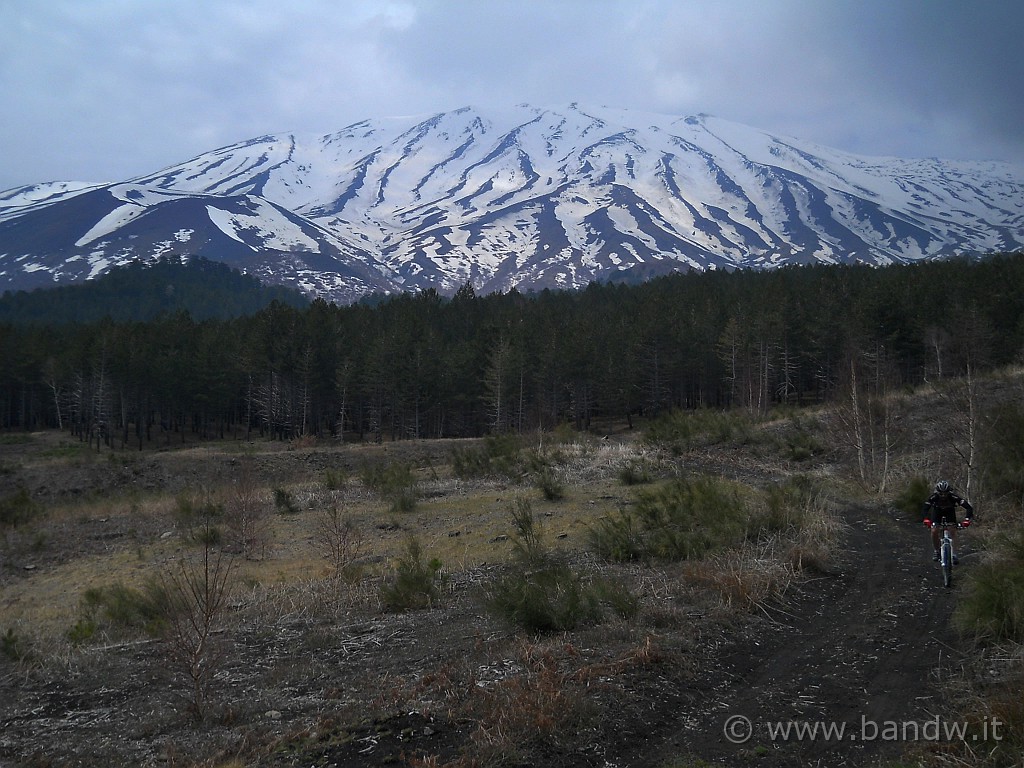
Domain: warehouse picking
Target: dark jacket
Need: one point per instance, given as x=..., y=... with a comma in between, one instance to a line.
x=941, y=506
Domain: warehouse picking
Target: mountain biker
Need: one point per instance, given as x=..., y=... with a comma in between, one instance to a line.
x=940, y=508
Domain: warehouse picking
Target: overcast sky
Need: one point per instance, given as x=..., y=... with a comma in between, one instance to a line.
x=102, y=90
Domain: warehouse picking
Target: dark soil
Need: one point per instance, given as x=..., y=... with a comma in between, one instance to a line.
x=864, y=647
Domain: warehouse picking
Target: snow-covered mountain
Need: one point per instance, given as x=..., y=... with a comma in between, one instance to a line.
x=525, y=197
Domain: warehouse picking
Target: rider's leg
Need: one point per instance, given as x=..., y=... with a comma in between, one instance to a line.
x=935, y=541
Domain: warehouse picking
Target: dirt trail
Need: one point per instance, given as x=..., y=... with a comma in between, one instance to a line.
x=861, y=648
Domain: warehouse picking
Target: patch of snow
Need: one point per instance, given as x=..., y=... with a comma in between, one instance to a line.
x=110, y=223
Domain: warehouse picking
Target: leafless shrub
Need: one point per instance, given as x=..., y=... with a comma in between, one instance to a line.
x=197, y=598
x=246, y=515
x=341, y=542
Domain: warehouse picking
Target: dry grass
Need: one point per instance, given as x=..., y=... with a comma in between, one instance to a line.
x=813, y=546
x=132, y=536
x=531, y=693
x=464, y=524
x=755, y=576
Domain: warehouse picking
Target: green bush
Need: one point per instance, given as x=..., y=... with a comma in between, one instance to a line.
x=617, y=538
x=787, y=506
x=528, y=545
x=554, y=598
x=683, y=431
x=334, y=480
x=540, y=594
x=801, y=444
x=395, y=482
x=550, y=485
x=121, y=609
x=499, y=455
x=82, y=631
x=547, y=599
x=1002, y=451
x=209, y=536
x=284, y=502
x=678, y=520
x=616, y=597
x=18, y=508
x=909, y=503
x=636, y=472
x=690, y=517
x=13, y=647
x=197, y=519
x=414, y=584
x=992, y=607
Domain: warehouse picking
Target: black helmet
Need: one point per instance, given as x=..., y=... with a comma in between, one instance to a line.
x=942, y=487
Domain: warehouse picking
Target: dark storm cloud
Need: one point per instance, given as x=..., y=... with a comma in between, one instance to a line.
x=106, y=89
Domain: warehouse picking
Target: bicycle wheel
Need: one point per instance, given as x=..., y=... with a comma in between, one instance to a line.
x=947, y=563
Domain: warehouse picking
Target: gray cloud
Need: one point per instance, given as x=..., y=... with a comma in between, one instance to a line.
x=112, y=88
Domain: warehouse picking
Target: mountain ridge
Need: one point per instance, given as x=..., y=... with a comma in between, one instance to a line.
x=524, y=197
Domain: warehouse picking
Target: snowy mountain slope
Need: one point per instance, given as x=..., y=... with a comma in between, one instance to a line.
x=526, y=196
x=78, y=236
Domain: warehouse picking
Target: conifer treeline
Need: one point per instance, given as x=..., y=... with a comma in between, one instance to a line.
x=144, y=291
x=426, y=366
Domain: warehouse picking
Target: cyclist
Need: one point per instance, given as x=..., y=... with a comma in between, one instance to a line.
x=940, y=508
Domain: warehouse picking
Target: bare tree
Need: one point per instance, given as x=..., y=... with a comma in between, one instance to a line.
x=339, y=540
x=342, y=378
x=52, y=379
x=868, y=414
x=970, y=349
x=246, y=515
x=496, y=381
x=197, y=596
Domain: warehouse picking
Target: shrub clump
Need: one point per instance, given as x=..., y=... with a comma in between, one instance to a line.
x=414, y=584
x=549, y=484
x=636, y=472
x=909, y=502
x=684, y=518
x=499, y=455
x=992, y=607
x=14, y=647
x=394, y=482
x=790, y=507
x=18, y=508
x=198, y=519
x=118, y=609
x=1002, y=454
x=284, y=502
x=540, y=593
x=682, y=431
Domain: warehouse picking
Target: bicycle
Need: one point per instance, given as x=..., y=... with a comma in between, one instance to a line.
x=946, y=551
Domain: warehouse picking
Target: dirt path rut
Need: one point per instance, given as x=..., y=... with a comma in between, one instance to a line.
x=860, y=651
